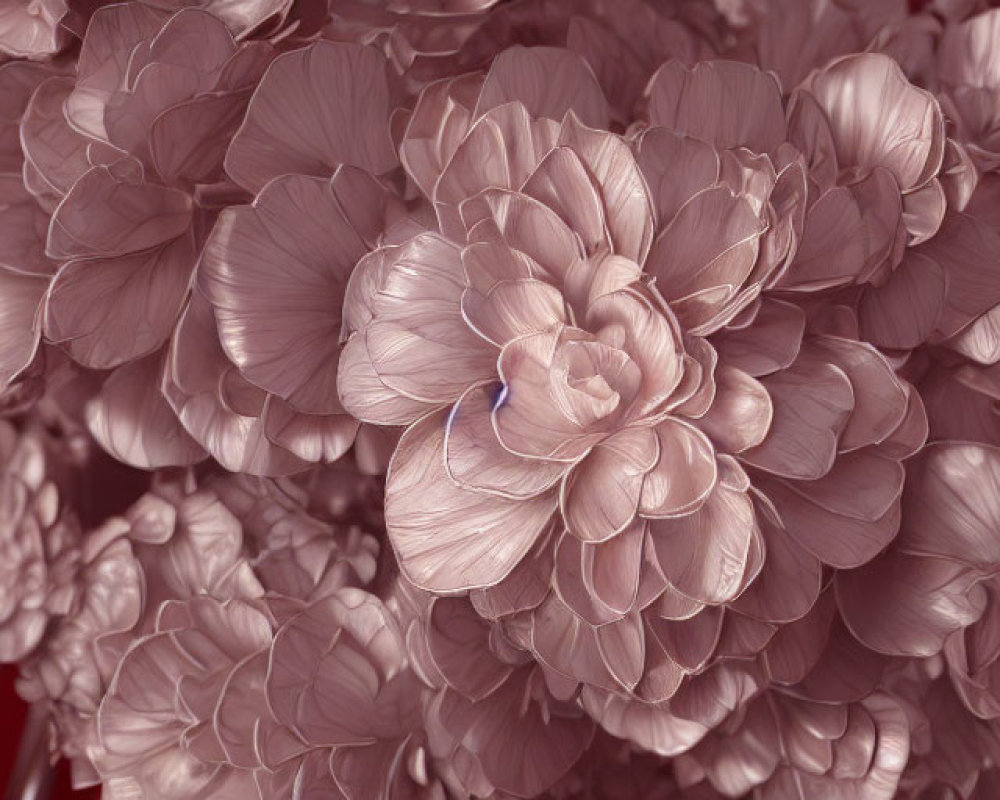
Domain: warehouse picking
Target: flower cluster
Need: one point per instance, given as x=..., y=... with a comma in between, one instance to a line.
x=501, y=399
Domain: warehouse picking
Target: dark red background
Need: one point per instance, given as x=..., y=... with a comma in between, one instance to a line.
x=12, y=714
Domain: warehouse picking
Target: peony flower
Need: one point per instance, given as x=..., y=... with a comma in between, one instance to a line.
x=163, y=722
x=256, y=394
x=619, y=436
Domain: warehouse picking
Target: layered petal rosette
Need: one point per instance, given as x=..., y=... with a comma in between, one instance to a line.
x=618, y=422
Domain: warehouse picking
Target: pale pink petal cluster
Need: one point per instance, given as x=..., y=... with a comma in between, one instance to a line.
x=432, y=399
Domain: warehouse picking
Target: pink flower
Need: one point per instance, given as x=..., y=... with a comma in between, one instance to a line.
x=620, y=438
x=163, y=723
x=135, y=139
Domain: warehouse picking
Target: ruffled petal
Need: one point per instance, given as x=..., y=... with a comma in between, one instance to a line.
x=447, y=538
x=724, y=103
x=106, y=216
x=132, y=420
x=600, y=497
x=105, y=312
x=549, y=82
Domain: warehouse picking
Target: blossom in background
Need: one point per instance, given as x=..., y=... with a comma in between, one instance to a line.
x=420, y=399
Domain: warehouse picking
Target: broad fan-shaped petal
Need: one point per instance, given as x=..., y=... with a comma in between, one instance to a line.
x=447, y=538
x=315, y=109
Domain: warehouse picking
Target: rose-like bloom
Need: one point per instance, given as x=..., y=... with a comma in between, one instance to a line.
x=39, y=538
x=171, y=544
x=617, y=426
x=175, y=696
x=491, y=718
x=251, y=371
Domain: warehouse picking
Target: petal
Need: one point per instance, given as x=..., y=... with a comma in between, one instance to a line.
x=549, y=81
x=676, y=167
x=840, y=539
x=770, y=343
x=500, y=151
x=527, y=225
x=23, y=228
x=683, y=476
x=106, y=217
x=188, y=141
x=51, y=146
x=475, y=459
x=704, y=554
x=951, y=504
x=880, y=398
x=513, y=308
x=447, y=538
x=832, y=250
x=740, y=415
x=338, y=96
x=195, y=373
x=965, y=247
x=20, y=299
x=901, y=604
x=132, y=421
x=562, y=184
x=711, y=243
x=457, y=639
x=788, y=584
x=112, y=35
x=441, y=117
x=724, y=103
x=600, y=496
x=276, y=273
x=812, y=403
x=105, y=312
x=923, y=211
x=627, y=205
x=901, y=313
x=879, y=119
